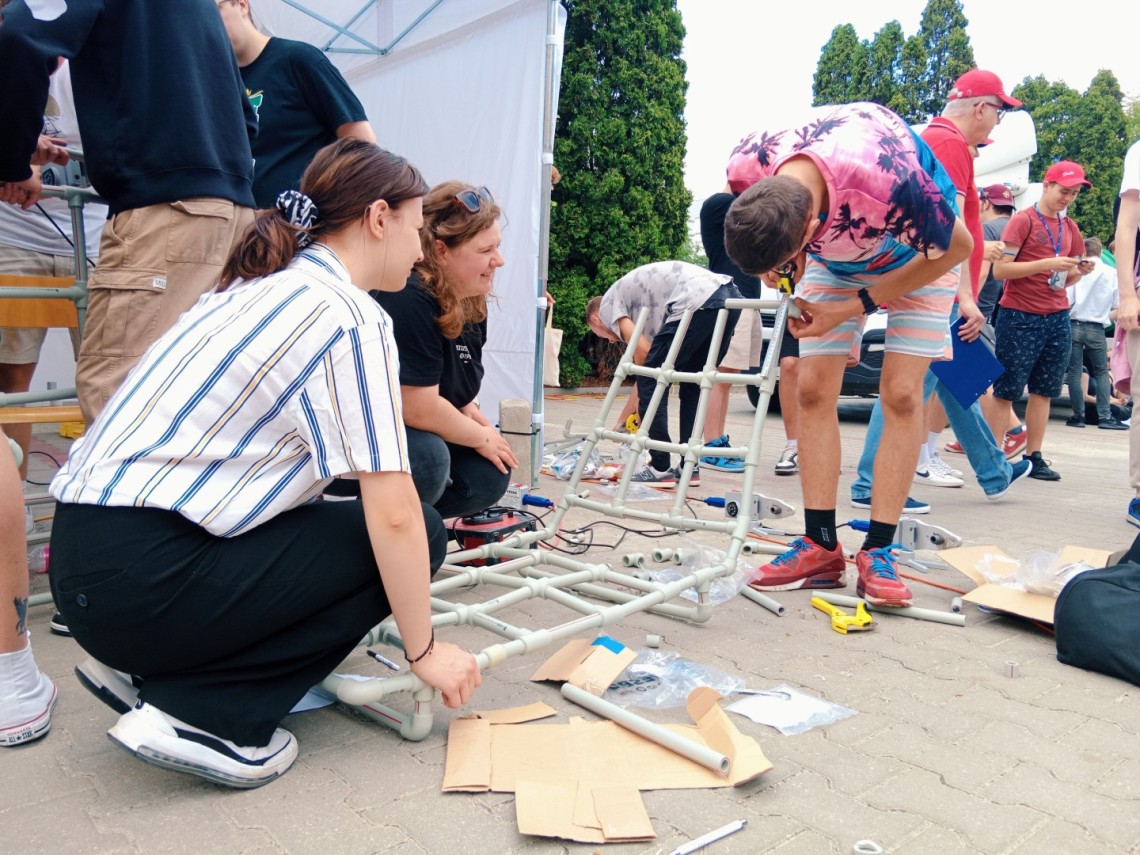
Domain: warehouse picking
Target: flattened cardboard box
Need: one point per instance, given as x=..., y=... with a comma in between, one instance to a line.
x=582, y=812
x=590, y=665
x=482, y=756
x=1038, y=607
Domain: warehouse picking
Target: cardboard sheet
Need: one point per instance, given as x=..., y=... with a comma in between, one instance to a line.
x=1038, y=607
x=591, y=665
x=596, y=751
x=611, y=814
x=517, y=715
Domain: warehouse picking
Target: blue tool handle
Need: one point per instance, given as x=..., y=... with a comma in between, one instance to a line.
x=860, y=525
x=715, y=501
x=537, y=501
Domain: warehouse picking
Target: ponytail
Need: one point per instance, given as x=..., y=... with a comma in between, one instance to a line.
x=267, y=246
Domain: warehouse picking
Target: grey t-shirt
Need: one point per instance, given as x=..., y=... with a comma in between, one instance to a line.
x=990, y=292
x=666, y=288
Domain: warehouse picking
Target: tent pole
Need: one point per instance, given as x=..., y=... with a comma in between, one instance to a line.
x=549, y=117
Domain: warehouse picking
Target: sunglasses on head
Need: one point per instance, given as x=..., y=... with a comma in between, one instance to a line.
x=473, y=200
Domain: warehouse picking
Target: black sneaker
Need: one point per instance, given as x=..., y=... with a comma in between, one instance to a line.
x=1111, y=424
x=1041, y=470
x=58, y=626
x=1075, y=421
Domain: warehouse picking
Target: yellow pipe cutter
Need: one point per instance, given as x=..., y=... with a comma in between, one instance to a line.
x=843, y=622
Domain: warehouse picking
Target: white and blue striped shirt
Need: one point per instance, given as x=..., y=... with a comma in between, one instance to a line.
x=250, y=404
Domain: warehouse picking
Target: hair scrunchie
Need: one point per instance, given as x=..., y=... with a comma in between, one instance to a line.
x=300, y=211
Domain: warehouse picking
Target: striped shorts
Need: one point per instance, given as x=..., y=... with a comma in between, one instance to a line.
x=917, y=323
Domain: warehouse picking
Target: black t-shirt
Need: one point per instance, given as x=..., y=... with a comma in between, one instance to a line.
x=426, y=357
x=300, y=99
x=713, y=212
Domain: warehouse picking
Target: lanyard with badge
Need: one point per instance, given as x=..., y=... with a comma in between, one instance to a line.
x=1057, y=277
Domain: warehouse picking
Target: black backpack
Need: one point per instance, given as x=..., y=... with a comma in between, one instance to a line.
x=1097, y=621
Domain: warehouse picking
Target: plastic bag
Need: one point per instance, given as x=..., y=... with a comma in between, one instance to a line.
x=789, y=710
x=1038, y=572
x=636, y=493
x=661, y=680
x=696, y=555
x=562, y=465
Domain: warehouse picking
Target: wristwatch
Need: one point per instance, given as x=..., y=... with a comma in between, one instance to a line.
x=869, y=305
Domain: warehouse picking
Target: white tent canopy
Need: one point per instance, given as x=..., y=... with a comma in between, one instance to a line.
x=460, y=88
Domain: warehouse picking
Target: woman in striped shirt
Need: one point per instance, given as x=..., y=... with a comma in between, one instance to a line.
x=189, y=548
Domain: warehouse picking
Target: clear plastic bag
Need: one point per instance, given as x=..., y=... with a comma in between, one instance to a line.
x=789, y=710
x=636, y=493
x=660, y=680
x=696, y=555
x=1038, y=572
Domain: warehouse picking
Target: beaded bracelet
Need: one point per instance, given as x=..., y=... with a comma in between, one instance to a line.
x=430, y=647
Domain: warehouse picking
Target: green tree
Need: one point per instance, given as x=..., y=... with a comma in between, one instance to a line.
x=1053, y=106
x=620, y=147
x=884, y=66
x=1098, y=134
x=912, y=71
x=841, y=69
x=948, y=52
x=1132, y=119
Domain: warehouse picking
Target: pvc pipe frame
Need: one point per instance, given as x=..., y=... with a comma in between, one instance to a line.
x=597, y=595
x=652, y=731
x=904, y=611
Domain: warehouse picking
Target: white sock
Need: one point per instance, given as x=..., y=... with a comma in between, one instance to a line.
x=923, y=455
x=932, y=443
x=792, y=444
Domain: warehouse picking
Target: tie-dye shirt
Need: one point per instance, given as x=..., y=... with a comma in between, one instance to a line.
x=889, y=199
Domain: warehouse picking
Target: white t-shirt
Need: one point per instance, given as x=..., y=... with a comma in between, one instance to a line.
x=666, y=288
x=1095, y=295
x=33, y=229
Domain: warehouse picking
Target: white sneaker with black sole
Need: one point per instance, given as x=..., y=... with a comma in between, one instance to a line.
x=927, y=475
x=114, y=688
x=162, y=740
x=789, y=462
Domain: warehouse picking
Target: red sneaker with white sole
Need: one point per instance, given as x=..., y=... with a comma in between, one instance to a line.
x=879, y=583
x=805, y=565
x=954, y=447
x=1014, y=442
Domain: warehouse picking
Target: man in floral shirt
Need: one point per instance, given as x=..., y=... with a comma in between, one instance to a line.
x=855, y=204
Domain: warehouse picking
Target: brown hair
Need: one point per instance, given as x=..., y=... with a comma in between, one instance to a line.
x=1093, y=247
x=342, y=180
x=593, y=309
x=446, y=219
x=764, y=227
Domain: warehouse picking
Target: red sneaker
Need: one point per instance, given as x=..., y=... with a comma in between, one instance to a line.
x=805, y=565
x=879, y=582
x=1014, y=442
x=954, y=447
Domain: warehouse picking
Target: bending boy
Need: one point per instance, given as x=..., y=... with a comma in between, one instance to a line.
x=855, y=204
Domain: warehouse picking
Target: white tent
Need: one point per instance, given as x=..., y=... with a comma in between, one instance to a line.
x=464, y=89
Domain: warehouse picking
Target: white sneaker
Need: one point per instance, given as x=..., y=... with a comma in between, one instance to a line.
x=937, y=464
x=927, y=475
x=29, y=520
x=114, y=688
x=27, y=697
x=162, y=740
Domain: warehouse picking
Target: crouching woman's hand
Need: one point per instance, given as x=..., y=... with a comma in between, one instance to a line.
x=452, y=671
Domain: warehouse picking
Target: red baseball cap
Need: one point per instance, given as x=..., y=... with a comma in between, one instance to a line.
x=977, y=83
x=998, y=194
x=1067, y=174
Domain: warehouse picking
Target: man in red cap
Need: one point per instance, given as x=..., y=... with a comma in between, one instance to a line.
x=966, y=122
x=1044, y=253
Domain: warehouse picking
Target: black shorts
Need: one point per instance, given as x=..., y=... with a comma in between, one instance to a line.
x=1033, y=350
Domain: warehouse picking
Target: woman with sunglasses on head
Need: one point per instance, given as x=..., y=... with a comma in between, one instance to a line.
x=189, y=548
x=460, y=463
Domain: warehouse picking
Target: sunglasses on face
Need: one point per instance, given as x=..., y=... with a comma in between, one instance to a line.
x=473, y=200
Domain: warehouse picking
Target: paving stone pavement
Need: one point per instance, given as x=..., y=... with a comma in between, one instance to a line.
x=946, y=754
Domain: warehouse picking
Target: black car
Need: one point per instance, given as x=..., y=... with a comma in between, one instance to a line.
x=860, y=380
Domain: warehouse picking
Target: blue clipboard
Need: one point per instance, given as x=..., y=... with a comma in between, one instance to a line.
x=972, y=370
